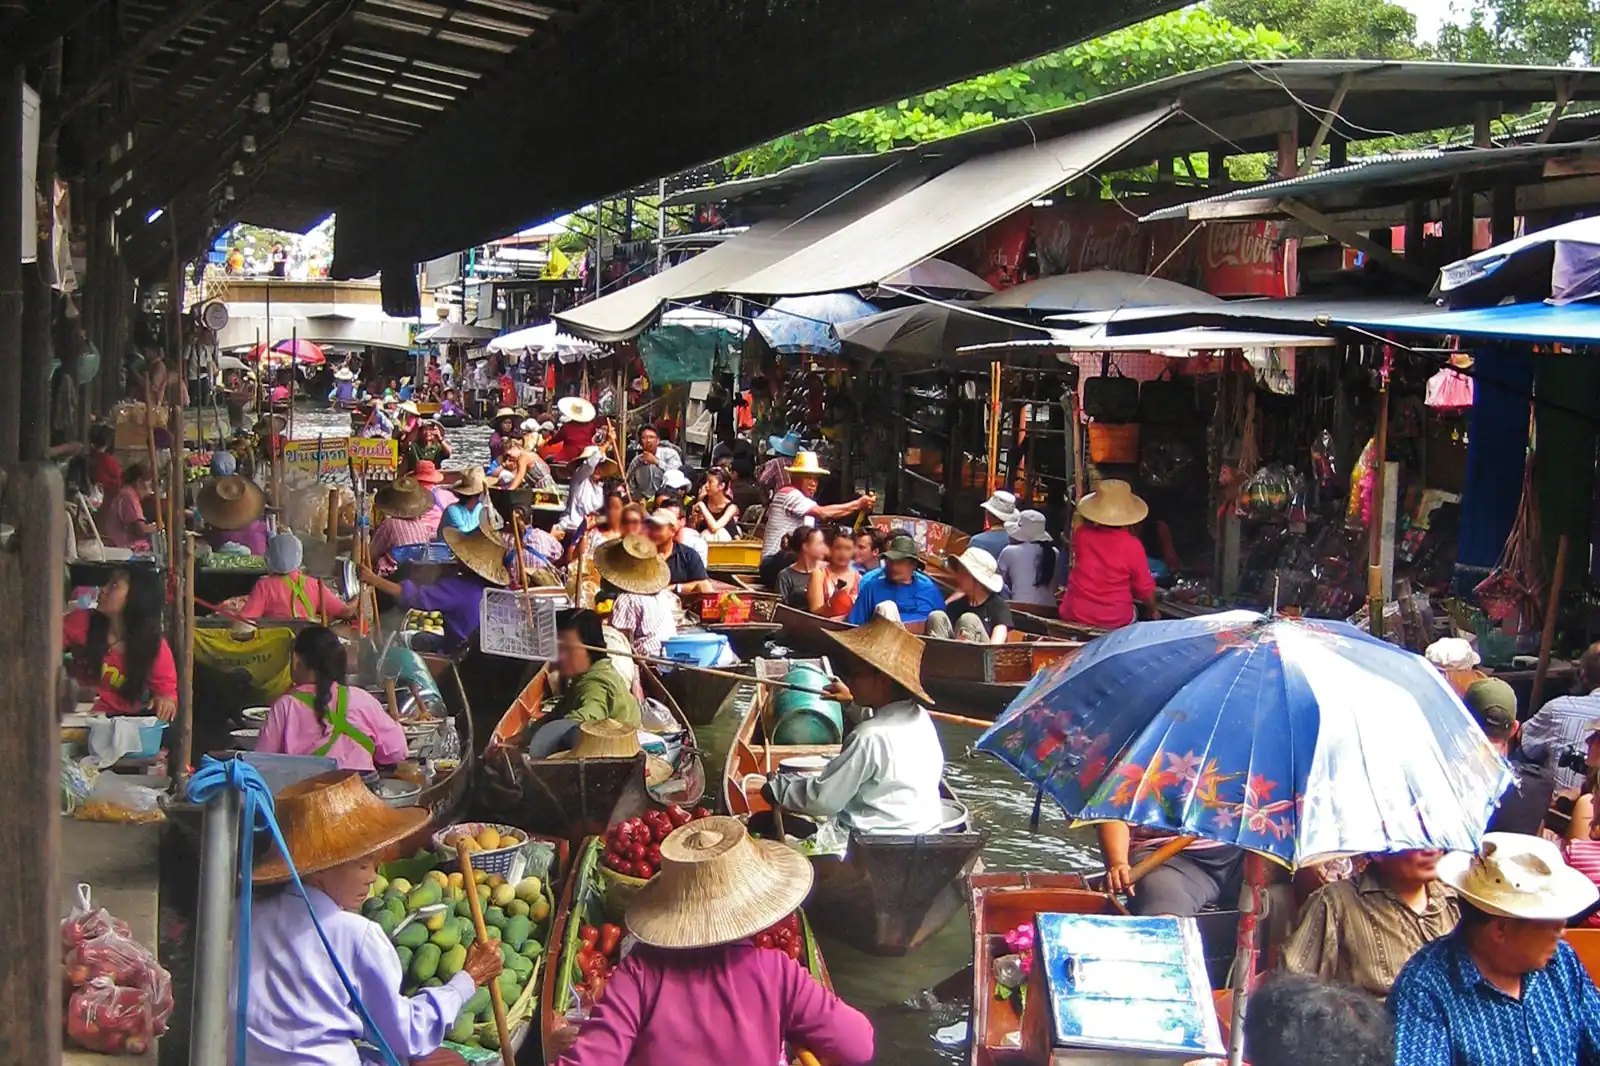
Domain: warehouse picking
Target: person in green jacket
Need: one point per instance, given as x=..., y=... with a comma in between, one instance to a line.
x=592, y=688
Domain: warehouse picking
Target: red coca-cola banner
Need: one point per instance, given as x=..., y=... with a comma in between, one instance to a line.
x=1242, y=259
x=1000, y=249
x=1097, y=235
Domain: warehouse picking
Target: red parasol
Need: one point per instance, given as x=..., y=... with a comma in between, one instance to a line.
x=302, y=352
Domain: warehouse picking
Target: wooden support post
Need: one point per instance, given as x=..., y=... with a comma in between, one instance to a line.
x=1288, y=152
x=30, y=658
x=1327, y=123
x=36, y=295
x=11, y=193
x=1416, y=220
x=994, y=425
x=1503, y=213
x=1216, y=166
x=1377, y=595
x=1338, y=151
x=1481, y=116
x=184, y=748
x=1547, y=635
x=1348, y=235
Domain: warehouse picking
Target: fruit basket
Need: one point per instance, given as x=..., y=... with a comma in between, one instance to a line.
x=507, y=840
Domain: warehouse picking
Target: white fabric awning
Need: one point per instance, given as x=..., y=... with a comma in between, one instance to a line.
x=938, y=214
x=1177, y=343
x=546, y=340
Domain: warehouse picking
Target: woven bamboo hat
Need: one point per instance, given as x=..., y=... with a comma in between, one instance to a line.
x=575, y=409
x=717, y=884
x=806, y=463
x=471, y=482
x=632, y=564
x=607, y=467
x=481, y=552
x=889, y=648
x=332, y=819
x=1113, y=503
x=605, y=739
x=231, y=502
x=405, y=498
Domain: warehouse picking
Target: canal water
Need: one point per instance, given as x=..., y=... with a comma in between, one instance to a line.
x=891, y=991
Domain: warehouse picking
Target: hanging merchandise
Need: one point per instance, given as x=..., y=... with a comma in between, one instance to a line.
x=1358, y=511
x=1111, y=397
x=1513, y=592
x=1265, y=494
x=1324, y=460
x=1450, y=389
x=1168, y=399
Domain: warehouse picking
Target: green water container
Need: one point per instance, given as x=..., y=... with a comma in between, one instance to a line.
x=818, y=721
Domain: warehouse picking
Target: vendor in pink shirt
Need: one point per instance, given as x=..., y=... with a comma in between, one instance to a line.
x=231, y=506
x=696, y=988
x=118, y=649
x=1110, y=573
x=322, y=716
x=287, y=592
x=412, y=514
x=121, y=517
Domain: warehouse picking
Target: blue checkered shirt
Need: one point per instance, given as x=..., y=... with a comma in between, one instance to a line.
x=1446, y=1014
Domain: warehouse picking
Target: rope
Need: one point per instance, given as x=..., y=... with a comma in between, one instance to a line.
x=256, y=802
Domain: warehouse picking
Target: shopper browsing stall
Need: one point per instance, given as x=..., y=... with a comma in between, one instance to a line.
x=808, y=547
x=898, y=589
x=832, y=589
x=1110, y=574
x=480, y=559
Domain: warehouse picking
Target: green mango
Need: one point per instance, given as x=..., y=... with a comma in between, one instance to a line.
x=490, y=1038
x=451, y=961
x=517, y=930
x=433, y=982
x=496, y=917
x=507, y=953
x=395, y=905
x=371, y=907
x=522, y=967
x=424, y=895
x=532, y=949
x=461, y=1032
x=492, y=932
x=412, y=936
x=386, y=921
x=478, y=1003
x=448, y=936
x=464, y=909
x=469, y=932
x=510, y=987
x=405, y=958
x=425, y=963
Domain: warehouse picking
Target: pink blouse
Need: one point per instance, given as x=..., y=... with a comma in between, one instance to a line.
x=292, y=729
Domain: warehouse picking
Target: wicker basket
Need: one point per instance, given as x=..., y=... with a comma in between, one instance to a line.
x=1114, y=442
x=497, y=861
x=616, y=890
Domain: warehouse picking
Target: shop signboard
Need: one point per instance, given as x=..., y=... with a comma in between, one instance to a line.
x=333, y=455
x=1091, y=235
x=375, y=455
x=1243, y=259
x=1001, y=248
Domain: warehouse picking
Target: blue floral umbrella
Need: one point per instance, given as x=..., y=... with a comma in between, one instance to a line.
x=1292, y=739
x=803, y=325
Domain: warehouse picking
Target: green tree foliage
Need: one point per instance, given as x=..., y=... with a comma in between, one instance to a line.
x=1156, y=48
x=1549, y=32
x=1333, y=29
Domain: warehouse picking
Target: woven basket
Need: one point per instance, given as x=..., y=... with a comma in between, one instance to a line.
x=1114, y=442
x=616, y=890
x=497, y=861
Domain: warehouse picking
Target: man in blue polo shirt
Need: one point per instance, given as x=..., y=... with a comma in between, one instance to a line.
x=1503, y=989
x=899, y=581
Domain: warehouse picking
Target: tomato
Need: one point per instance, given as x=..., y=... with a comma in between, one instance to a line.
x=644, y=870
x=699, y=813
x=793, y=950
x=678, y=815
x=624, y=867
x=792, y=923
x=763, y=940
x=653, y=853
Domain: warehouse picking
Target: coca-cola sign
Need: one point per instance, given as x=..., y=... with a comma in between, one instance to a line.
x=1243, y=259
x=1098, y=235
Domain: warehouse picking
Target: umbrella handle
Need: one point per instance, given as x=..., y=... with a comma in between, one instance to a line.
x=1158, y=857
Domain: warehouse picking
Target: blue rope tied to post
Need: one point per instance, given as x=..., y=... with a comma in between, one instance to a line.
x=257, y=807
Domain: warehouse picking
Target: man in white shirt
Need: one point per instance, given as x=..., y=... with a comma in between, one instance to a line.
x=795, y=505
x=1563, y=724
x=886, y=777
x=585, y=494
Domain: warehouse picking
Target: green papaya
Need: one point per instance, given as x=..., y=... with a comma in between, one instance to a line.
x=451, y=961
x=405, y=958
x=448, y=936
x=425, y=963
x=424, y=895
x=496, y=917
x=412, y=936
x=478, y=1003
x=386, y=921
x=469, y=932
x=517, y=930
x=507, y=953
x=510, y=987
x=461, y=1032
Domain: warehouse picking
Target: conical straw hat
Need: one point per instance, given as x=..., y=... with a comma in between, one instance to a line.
x=231, y=502
x=1113, y=503
x=632, y=564
x=717, y=884
x=482, y=552
x=806, y=463
x=406, y=498
x=332, y=819
x=888, y=647
x=605, y=739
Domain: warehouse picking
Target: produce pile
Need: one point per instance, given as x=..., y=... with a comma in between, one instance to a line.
x=633, y=846
x=598, y=954
x=118, y=997
x=785, y=936
x=433, y=945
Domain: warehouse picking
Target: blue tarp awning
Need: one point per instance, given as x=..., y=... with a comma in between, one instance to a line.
x=1532, y=322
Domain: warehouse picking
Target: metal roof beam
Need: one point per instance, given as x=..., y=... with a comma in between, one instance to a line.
x=125, y=58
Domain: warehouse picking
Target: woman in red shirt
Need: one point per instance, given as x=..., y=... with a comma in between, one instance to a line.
x=1110, y=573
x=118, y=647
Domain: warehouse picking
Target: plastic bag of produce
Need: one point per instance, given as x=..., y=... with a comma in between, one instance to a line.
x=111, y=1018
x=86, y=922
x=114, y=799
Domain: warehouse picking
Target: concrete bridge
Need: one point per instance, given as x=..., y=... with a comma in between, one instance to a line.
x=347, y=314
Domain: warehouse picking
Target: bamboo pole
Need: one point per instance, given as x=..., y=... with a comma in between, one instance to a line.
x=180, y=773
x=464, y=860
x=1548, y=635
x=1377, y=595
x=994, y=424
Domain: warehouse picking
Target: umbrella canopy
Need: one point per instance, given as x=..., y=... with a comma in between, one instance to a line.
x=455, y=333
x=927, y=331
x=547, y=340
x=1560, y=264
x=703, y=319
x=804, y=324
x=1097, y=290
x=286, y=351
x=937, y=276
x=1293, y=739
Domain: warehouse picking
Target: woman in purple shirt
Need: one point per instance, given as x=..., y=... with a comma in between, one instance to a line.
x=231, y=507
x=457, y=596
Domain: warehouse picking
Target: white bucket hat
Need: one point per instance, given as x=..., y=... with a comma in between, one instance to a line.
x=1518, y=876
x=1028, y=527
x=1451, y=653
x=1003, y=505
x=981, y=565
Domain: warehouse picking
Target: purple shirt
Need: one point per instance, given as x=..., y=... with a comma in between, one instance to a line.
x=252, y=536
x=299, y=1013
x=456, y=596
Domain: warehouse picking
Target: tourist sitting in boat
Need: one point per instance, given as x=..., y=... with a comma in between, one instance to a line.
x=1204, y=874
x=429, y=444
x=298, y=1010
x=685, y=566
x=466, y=514
x=585, y=494
x=540, y=548
x=795, y=505
x=231, y=507
x=287, y=592
x=450, y=406
x=505, y=429
x=412, y=516
x=1558, y=729
x=886, y=777
x=380, y=423
x=574, y=435
x=999, y=511
x=807, y=549
x=715, y=513
x=1110, y=573
x=899, y=589
x=643, y=611
x=646, y=471
x=774, y=473
x=608, y=523
x=1300, y=1021
x=831, y=591
x=480, y=563
x=521, y=468
x=696, y=979
x=121, y=518
x=870, y=542
x=1526, y=801
x=408, y=427
x=1503, y=989
x=978, y=612
x=1362, y=930
x=591, y=688
x=1027, y=564
x=118, y=648
x=323, y=716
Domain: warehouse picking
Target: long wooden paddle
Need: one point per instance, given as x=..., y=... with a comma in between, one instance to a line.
x=464, y=860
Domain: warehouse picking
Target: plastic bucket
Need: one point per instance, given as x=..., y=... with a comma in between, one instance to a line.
x=696, y=649
x=817, y=722
x=149, y=740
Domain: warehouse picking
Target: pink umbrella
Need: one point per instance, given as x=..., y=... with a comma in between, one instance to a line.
x=302, y=352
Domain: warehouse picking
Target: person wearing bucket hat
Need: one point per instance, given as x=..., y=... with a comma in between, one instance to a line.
x=1526, y=801
x=898, y=589
x=696, y=979
x=1110, y=572
x=576, y=433
x=411, y=516
x=1503, y=989
x=979, y=612
x=644, y=611
x=480, y=563
x=231, y=508
x=795, y=505
x=298, y=1011
x=287, y=592
x=1028, y=563
x=999, y=510
x=885, y=778
x=774, y=473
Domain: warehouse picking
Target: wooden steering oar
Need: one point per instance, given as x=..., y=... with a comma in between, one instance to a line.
x=464, y=860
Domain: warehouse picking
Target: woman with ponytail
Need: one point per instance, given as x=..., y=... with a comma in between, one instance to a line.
x=118, y=647
x=323, y=716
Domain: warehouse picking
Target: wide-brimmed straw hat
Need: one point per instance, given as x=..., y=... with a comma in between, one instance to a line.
x=503, y=413
x=1113, y=503
x=888, y=648
x=605, y=739
x=575, y=409
x=410, y=408
x=1515, y=875
x=471, y=482
x=231, y=502
x=1003, y=505
x=608, y=466
x=632, y=564
x=1028, y=527
x=427, y=472
x=332, y=819
x=806, y=463
x=482, y=552
x=982, y=566
x=406, y=497
x=717, y=884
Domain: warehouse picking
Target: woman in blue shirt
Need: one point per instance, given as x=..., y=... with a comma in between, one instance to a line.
x=466, y=513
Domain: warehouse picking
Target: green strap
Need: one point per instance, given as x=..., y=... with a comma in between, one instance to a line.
x=298, y=594
x=339, y=720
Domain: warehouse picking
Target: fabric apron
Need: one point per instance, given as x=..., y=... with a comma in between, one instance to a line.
x=339, y=720
x=298, y=596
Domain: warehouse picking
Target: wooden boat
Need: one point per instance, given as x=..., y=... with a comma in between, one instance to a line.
x=451, y=421
x=581, y=904
x=576, y=798
x=446, y=797
x=891, y=891
x=427, y=408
